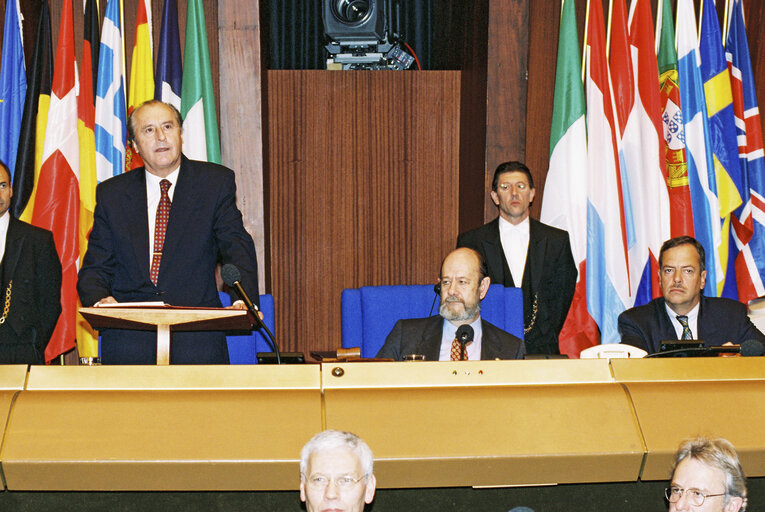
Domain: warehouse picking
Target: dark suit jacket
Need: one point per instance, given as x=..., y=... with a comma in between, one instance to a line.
x=720, y=320
x=549, y=276
x=205, y=226
x=32, y=263
x=423, y=336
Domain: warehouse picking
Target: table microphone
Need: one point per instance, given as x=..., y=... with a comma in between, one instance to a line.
x=232, y=277
x=465, y=335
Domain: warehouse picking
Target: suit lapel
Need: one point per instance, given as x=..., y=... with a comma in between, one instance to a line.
x=489, y=345
x=495, y=257
x=135, y=208
x=184, y=198
x=535, y=257
x=14, y=243
x=430, y=344
x=666, y=328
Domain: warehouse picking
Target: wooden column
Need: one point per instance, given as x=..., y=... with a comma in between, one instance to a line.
x=363, y=189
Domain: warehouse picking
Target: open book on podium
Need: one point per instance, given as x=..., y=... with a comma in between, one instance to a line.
x=166, y=318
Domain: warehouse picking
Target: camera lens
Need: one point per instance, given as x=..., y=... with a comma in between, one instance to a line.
x=351, y=11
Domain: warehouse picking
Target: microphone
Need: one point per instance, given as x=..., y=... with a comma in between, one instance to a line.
x=437, y=289
x=232, y=277
x=747, y=348
x=465, y=335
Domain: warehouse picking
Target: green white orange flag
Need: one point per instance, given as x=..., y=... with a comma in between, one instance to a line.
x=565, y=196
x=201, y=140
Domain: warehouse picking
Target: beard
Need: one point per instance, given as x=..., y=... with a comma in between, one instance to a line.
x=468, y=310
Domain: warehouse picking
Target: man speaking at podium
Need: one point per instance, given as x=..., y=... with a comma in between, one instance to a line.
x=158, y=232
x=463, y=284
x=683, y=313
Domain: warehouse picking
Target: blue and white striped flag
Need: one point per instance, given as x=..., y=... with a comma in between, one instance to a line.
x=111, y=118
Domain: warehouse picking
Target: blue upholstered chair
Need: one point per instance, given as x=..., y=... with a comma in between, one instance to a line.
x=243, y=348
x=369, y=312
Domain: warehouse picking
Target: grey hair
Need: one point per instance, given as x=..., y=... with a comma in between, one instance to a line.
x=717, y=453
x=329, y=439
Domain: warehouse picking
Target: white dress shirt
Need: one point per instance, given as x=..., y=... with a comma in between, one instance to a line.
x=5, y=219
x=449, y=332
x=515, y=245
x=153, y=194
x=693, y=321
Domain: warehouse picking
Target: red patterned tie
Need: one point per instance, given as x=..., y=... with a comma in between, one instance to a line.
x=160, y=228
x=456, y=352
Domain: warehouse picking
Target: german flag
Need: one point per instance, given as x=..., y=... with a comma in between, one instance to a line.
x=34, y=120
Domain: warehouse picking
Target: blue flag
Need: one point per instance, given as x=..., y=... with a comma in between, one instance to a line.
x=13, y=85
x=169, y=74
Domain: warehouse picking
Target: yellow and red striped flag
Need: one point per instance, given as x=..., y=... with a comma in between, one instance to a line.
x=141, y=73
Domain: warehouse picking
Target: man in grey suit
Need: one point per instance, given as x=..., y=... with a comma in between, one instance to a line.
x=463, y=284
x=522, y=252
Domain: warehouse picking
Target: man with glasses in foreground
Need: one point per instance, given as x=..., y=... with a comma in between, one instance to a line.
x=336, y=473
x=707, y=476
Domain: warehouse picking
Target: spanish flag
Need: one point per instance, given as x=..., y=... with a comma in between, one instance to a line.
x=141, y=73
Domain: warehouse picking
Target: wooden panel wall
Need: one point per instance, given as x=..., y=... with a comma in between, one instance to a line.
x=363, y=188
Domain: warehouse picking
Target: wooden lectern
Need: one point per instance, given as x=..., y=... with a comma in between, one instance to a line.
x=165, y=318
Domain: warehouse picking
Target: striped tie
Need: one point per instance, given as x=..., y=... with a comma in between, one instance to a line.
x=683, y=319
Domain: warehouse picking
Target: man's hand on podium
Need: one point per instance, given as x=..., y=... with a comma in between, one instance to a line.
x=105, y=300
x=239, y=304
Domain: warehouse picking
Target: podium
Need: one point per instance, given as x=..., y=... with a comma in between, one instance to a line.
x=167, y=318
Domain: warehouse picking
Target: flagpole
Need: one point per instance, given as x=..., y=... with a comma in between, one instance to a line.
x=586, y=25
x=726, y=20
x=122, y=38
x=677, y=20
x=659, y=24
x=608, y=29
x=701, y=17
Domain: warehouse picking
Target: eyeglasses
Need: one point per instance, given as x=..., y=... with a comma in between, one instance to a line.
x=695, y=497
x=507, y=186
x=343, y=483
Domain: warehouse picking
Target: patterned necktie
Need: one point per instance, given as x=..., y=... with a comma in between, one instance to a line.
x=686, y=329
x=456, y=353
x=160, y=228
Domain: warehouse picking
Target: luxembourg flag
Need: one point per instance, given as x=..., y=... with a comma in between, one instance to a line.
x=565, y=198
x=701, y=171
x=608, y=286
x=111, y=119
x=749, y=222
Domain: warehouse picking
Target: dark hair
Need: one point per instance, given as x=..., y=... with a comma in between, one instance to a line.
x=683, y=240
x=511, y=167
x=130, y=123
